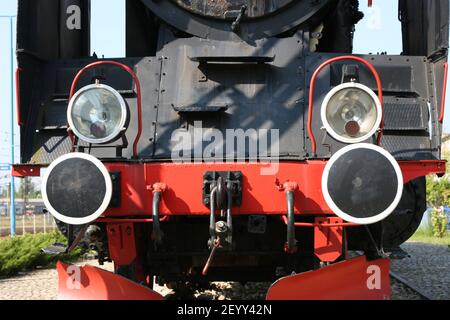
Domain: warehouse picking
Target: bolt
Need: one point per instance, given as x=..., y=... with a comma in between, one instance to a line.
x=221, y=227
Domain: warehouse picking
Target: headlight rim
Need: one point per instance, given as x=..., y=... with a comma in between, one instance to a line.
x=329, y=128
x=117, y=130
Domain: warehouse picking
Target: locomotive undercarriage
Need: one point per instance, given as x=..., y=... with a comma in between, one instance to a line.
x=259, y=249
x=255, y=256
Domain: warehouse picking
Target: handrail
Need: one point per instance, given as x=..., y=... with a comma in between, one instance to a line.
x=312, y=87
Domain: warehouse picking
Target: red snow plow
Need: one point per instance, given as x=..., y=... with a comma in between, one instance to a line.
x=354, y=279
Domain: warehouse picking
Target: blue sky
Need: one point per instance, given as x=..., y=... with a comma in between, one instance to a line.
x=379, y=31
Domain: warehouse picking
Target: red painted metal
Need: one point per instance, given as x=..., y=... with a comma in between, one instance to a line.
x=19, y=114
x=24, y=170
x=444, y=93
x=184, y=197
x=415, y=169
x=260, y=193
x=158, y=187
x=90, y=283
x=289, y=186
x=121, y=243
x=312, y=88
x=328, y=241
x=128, y=220
x=336, y=224
x=138, y=93
x=369, y=3
x=355, y=279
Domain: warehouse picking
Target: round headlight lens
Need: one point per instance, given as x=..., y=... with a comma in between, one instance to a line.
x=97, y=113
x=351, y=113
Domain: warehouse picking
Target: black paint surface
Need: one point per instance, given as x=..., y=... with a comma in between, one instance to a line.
x=362, y=183
x=76, y=188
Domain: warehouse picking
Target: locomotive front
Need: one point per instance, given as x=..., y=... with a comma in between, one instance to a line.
x=239, y=140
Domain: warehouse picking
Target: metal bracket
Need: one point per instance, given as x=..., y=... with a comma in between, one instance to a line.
x=121, y=243
x=236, y=24
x=350, y=73
x=116, y=190
x=328, y=240
x=26, y=170
x=58, y=248
x=232, y=178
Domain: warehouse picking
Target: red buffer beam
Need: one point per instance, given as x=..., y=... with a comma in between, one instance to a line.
x=260, y=194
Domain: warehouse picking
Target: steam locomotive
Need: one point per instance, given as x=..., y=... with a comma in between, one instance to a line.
x=238, y=140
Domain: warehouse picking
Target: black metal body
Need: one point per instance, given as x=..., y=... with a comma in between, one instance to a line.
x=226, y=84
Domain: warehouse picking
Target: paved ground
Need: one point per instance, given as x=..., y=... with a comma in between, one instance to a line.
x=36, y=285
x=428, y=269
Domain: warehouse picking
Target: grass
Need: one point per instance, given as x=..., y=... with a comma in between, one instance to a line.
x=23, y=253
x=426, y=236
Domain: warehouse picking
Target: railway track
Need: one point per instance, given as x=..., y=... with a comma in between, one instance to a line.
x=402, y=289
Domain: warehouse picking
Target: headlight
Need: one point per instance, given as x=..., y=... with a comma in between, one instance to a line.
x=351, y=113
x=97, y=113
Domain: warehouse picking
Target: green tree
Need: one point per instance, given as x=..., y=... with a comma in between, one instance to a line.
x=438, y=191
x=438, y=196
x=27, y=189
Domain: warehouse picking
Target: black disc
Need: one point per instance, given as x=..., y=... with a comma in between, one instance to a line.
x=362, y=183
x=76, y=188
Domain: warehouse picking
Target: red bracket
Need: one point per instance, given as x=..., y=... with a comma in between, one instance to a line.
x=24, y=170
x=121, y=243
x=288, y=186
x=157, y=187
x=327, y=240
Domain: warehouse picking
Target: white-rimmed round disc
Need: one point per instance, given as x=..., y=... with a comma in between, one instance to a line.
x=77, y=188
x=362, y=183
